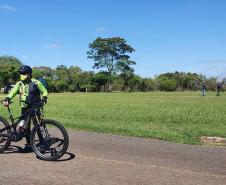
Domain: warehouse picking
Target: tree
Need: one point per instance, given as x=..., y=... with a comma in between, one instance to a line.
x=42, y=71
x=111, y=54
x=211, y=83
x=134, y=83
x=167, y=84
x=9, y=70
x=100, y=80
x=147, y=84
x=126, y=75
x=75, y=73
x=85, y=80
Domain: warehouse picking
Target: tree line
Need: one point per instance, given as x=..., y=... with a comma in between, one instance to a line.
x=112, y=57
x=74, y=79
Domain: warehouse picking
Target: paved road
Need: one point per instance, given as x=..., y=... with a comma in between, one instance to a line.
x=104, y=159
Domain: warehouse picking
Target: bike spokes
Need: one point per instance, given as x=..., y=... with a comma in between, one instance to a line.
x=50, y=141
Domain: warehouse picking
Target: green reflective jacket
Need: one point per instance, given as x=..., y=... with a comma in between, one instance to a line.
x=24, y=89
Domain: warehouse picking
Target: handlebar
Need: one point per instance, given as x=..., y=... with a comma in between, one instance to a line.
x=39, y=103
x=31, y=107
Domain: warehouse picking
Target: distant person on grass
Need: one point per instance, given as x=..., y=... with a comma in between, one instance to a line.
x=203, y=88
x=30, y=91
x=219, y=86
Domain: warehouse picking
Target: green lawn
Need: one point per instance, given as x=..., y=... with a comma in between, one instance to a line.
x=180, y=117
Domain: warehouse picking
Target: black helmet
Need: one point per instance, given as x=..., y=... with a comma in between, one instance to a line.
x=25, y=70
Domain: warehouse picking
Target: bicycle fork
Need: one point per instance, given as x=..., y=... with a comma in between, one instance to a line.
x=43, y=132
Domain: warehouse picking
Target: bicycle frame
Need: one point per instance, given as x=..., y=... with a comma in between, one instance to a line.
x=26, y=115
x=46, y=146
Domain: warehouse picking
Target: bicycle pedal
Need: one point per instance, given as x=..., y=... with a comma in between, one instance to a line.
x=11, y=138
x=2, y=140
x=16, y=137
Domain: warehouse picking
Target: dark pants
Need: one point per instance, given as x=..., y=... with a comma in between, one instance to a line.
x=218, y=90
x=33, y=119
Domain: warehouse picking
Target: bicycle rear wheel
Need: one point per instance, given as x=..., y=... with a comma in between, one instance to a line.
x=49, y=140
x=4, y=141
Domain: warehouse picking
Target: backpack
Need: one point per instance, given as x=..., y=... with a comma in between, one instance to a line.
x=43, y=81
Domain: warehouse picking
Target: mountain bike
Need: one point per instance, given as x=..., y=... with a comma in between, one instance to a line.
x=49, y=139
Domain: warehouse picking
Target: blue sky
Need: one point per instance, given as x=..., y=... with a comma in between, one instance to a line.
x=168, y=35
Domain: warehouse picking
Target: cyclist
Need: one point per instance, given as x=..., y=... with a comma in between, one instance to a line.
x=30, y=91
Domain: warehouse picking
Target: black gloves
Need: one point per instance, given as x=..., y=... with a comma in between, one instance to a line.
x=6, y=101
x=44, y=99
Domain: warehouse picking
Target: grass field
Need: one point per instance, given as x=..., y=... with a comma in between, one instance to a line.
x=180, y=117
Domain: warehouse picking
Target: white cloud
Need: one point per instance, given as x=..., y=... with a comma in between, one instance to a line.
x=7, y=8
x=24, y=57
x=54, y=45
x=100, y=30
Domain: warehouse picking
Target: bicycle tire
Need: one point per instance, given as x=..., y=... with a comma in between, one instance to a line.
x=4, y=123
x=49, y=125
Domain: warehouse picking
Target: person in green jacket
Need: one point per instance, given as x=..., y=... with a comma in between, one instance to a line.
x=30, y=91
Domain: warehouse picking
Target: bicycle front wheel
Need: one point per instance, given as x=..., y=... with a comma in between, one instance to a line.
x=49, y=140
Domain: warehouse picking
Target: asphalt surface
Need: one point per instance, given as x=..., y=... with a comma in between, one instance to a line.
x=104, y=159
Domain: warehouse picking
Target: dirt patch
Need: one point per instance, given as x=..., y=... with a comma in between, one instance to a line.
x=213, y=140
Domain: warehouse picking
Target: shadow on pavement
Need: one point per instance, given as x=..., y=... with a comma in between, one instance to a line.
x=13, y=149
x=69, y=156
x=17, y=149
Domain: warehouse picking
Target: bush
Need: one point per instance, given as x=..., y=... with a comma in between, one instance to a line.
x=166, y=84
